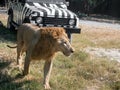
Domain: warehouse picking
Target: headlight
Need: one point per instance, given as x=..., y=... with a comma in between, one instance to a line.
x=34, y=14
x=72, y=22
x=39, y=20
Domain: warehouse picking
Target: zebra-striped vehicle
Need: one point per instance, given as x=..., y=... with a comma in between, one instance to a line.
x=42, y=13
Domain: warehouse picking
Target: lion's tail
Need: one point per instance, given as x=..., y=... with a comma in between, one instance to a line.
x=12, y=46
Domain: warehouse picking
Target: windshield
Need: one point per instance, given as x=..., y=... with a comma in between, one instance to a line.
x=48, y=1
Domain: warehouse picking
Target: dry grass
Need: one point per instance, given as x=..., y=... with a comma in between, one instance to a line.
x=78, y=72
x=100, y=36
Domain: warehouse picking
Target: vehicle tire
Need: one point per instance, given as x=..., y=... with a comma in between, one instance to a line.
x=70, y=37
x=9, y=23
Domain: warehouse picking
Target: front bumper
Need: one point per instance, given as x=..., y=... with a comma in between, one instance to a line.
x=73, y=30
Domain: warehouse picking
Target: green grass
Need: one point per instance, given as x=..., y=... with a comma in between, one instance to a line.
x=81, y=71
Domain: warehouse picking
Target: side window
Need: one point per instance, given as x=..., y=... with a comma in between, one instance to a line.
x=11, y=0
x=22, y=1
x=16, y=0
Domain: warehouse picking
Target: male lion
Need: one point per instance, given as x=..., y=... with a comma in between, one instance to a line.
x=41, y=43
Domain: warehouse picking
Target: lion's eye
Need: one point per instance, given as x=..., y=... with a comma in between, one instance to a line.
x=64, y=42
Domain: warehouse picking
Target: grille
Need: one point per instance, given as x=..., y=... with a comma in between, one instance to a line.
x=56, y=21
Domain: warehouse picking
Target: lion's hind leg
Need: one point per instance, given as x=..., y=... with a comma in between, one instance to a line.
x=20, y=52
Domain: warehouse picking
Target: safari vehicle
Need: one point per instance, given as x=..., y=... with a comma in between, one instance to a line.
x=42, y=13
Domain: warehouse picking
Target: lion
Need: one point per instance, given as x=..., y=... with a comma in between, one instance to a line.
x=41, y=43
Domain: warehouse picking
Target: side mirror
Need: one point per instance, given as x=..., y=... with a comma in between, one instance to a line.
x=67, y=3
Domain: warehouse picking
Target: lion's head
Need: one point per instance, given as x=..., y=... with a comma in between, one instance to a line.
x=64, y=45
x=52, y=40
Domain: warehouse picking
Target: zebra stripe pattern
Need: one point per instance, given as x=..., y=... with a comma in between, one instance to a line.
x=58, y=12
x=50, y=10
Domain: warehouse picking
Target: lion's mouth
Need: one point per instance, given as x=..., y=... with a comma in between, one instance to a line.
x=67, y=53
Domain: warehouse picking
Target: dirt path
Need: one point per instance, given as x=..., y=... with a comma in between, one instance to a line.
x=100, y=24
x=111, y=54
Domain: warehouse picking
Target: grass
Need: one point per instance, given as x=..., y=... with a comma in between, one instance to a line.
x=99, y=37
x=81, y=71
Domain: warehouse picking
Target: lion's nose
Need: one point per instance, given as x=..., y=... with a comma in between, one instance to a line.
x=72, y=50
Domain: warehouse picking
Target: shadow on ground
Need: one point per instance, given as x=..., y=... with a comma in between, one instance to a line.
x=6, y=34
x=10, y=76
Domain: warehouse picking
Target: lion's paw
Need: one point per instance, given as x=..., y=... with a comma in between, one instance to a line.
x=47, y=86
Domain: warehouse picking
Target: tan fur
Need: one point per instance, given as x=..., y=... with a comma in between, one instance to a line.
x=47, y=43
x=41, y=43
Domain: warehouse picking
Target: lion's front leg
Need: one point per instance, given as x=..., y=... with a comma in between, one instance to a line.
x=47, y=72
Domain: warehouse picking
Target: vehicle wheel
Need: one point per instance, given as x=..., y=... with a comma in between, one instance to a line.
x=9, y=23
